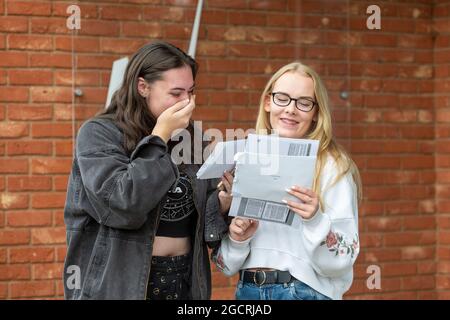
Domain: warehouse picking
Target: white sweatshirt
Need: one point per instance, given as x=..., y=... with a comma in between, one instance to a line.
x=320, y=253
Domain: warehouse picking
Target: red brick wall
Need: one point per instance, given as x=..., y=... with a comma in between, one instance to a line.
x=395, y=122
x=442, y=106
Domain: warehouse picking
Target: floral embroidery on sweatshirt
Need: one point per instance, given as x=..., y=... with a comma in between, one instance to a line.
x=335, y=243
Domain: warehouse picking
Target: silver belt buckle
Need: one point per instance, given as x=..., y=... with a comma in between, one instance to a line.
x=264, y=279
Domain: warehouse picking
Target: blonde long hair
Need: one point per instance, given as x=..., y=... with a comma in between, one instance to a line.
x=320, y=130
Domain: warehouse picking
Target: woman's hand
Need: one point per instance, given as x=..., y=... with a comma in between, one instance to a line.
x=242, y=229
x=225, y=193
x=173, y=118
x=310, y=200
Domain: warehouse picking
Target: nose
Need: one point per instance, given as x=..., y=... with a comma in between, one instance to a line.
x=290, y=108
x=187, y=95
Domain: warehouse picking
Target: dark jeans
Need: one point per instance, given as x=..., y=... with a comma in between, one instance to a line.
x=170, y=278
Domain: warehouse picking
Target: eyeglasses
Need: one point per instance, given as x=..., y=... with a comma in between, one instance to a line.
x=303, y=103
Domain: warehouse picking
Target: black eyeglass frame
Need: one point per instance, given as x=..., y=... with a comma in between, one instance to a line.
x=314, y=103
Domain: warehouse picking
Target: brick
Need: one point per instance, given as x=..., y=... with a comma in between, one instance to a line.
x=120, y=13
x=265, y=36
x=64, y=112
x=211, y=49
x=178, y=32
x=170, y=14
x=51, y=130
x=416, y=253
x=29, y=148
x=48, y=235
x=50, y=166
x=213, y=17
x=100, y=28
x=244, y=114
x=58, y=218
x=399, y=269
x=25, y=42
x=120, y=46
x=25, y=112
x=53, y=200
x=13, y=129
x=40, y=77
x=29, y=218
x=229, y=98
x=383, y=224
x=212, y=82
x=32, y=289
x=51, y=94
x=223, y=294
x=32, y=254
x=13, y=24
x=16, y=166
x=60, y=183
x=80, y=44
x=246, y=82
x=235, y=4
x=16, y=272
x=14, y=237
x=150, y=30
x=247, y=50
x=49, y=25
x=56, y=60
x=83, y=78
x=97, y=62
x=14, y=94
x=61, y=253
x=3, y=77
x=94, y=95
x=207, y=114
x=29, y=183
x=3, y=255
x=47, y=271
x=34, y=8
x=63, y=148
x=268, y=5
x=381, y=255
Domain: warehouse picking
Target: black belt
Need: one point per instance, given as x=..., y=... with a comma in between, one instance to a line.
x=261, y=277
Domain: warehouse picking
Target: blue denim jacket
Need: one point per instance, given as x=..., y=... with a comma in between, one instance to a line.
x=113, y=209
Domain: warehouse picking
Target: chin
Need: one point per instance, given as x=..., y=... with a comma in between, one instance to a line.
x=288, y=133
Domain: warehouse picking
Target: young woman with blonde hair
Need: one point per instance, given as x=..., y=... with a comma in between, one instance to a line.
x=280, y=262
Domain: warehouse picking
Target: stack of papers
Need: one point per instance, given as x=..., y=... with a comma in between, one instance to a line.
x=264, y=169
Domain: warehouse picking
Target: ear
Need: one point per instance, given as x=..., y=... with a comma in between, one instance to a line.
x=142, y=87
x=267, y=103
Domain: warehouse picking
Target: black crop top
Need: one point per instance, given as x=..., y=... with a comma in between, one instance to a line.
x=178, y=214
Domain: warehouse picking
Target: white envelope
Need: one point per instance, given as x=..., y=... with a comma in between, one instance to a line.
x=260, y=185
x=221, y=159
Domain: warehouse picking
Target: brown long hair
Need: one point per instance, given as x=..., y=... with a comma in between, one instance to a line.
x=128, y=108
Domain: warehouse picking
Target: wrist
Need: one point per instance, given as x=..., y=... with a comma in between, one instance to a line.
x=162, y=133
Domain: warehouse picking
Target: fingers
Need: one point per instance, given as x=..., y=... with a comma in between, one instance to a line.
x=227, y=185
x=306, y=195
x=241, y=223
x=242, y=229
x=179, y=105
x=227, y=181
x=189, y=107
x=228, y=176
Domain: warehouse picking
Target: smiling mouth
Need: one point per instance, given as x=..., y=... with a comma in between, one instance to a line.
x=289, y=121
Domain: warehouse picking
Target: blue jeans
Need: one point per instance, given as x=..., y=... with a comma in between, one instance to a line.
x=294, y=290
